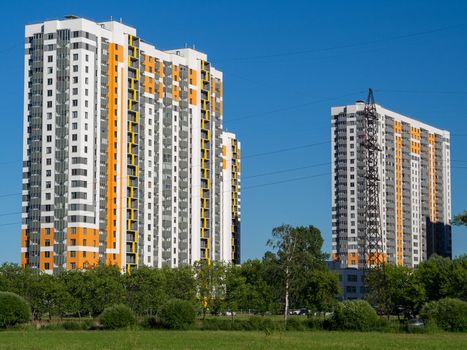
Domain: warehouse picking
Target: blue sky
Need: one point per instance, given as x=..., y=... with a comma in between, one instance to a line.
x=285, y=63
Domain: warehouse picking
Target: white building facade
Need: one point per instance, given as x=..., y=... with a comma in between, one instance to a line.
x=122, y=153
x=415, y=187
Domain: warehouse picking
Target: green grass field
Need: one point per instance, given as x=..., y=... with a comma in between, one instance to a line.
x=219, y=340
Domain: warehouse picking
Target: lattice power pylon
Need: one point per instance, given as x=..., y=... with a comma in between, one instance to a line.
x=373, y=240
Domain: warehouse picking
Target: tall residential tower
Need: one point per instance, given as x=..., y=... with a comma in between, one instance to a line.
x=415, y=187
x=123, y=157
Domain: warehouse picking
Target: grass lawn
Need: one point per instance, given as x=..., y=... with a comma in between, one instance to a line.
x=219, y=340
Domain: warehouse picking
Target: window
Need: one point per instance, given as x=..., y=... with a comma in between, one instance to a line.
x=75, y=114
x=75, y=103
x=75, y=68
x=47, y=254
x=87, y=58
x=73, y=266
x=75, y=91
x=50, y=70
x=74, y=149
x=49, y=104
x=47, y=266
x=74, y=137
x=86, y=69
x=49, y=81
x=352, y=278
x=75, y=80
x=75, y=57
x=49, y=115
x=74, y=126
x=50, y=59
x=73, y=254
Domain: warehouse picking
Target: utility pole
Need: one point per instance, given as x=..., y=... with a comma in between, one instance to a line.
x=373, y=241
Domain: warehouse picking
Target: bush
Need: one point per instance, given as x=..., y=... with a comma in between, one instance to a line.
x=177, y=314
x=117, y=316
x=354, y=315
x=90, y=325
x=448, y=314
x=71, y=325
x=13, y=310
x=151, y=322
x=314, y=322
x=295, y=324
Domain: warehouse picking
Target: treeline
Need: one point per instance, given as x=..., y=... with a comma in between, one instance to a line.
x=258, y=286
x=401, y=291
x=292, y=275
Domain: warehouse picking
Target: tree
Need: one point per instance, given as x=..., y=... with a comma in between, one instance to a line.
x=180, y=282
x=210, y=278
x=321, y=289
x=247, y=288
x=458, y=280
x=145, y=290
x=298, y=252
x=435, y=276
x=460, y=219
x=395, y=289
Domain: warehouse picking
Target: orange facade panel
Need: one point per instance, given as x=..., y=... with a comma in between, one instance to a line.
x=24, y=244
x=86, y=238
x=149, y=64
x=149, y=85
x=112, y=141
x=193, y=97
x=176, y=92
x=352, y=259
x=46, y=238
x=175, y=72
x=24, y=238
x=193, y=77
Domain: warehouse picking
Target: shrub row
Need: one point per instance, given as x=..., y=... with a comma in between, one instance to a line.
x=448, y=314
x=13, y=310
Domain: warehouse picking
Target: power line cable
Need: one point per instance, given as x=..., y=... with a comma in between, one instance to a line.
x=254, y=155
x=292, y=107
x=285, y=181
x=8, y=214
x=285, y=170
x=452, y=92
x=344, y=46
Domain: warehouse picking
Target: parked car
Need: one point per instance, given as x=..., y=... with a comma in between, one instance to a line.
x=230, y=313
x=415, y=323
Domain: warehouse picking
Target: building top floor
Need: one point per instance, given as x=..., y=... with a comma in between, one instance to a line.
x=116, y=32
x=359, y=106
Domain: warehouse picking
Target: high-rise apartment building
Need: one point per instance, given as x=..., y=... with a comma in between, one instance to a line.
x=123, y=158
x=415, y=187
x=231, y=198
